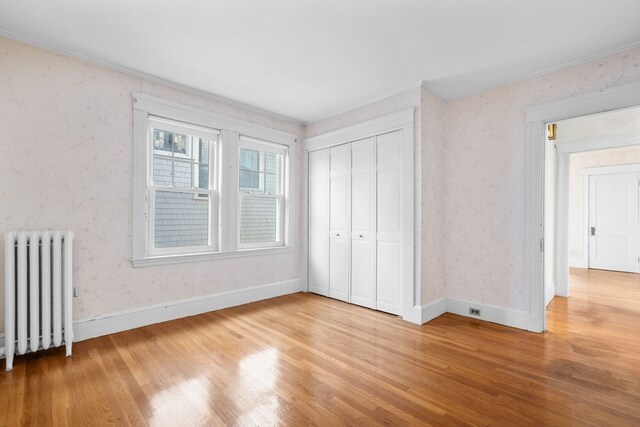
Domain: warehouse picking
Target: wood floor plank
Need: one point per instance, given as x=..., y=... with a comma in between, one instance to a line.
x=303, y=359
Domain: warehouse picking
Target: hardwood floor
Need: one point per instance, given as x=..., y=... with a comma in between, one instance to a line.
x=307, y=360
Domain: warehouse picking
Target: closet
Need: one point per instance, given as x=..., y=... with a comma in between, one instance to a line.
x=355, y=211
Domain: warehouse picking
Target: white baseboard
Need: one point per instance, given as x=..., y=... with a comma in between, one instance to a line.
x=433, y=309
x=578, y=263
x=549, y=293
x=504, y=316
x=148, y=315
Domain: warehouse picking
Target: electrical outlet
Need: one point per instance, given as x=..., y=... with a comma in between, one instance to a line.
x=474, y=311
x=76, y=292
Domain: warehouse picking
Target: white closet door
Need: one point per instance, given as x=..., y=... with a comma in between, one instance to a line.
x=319, y=222
x=363, y=222
x=389, y=227
x=339, y=209
x=613, y=222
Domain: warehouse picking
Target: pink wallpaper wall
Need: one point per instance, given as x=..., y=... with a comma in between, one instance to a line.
x=66, y=163
x=484, y=206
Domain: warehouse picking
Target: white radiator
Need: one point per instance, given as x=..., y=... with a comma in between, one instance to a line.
x=38, y=291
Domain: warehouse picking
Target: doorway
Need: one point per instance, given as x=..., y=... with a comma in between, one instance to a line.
x=592, y=209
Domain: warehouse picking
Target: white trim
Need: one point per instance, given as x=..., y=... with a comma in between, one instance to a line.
x=224, y=222
x=489, y=313
x=207, y=256
x=149, y=78
x=401, y=120
x=504, y=316
x=135, y=318
x=537, y=116
x=598, y=144
x=549, y=293
x=384, y=124
x=562, y=206
x=369, y=101
x=611, y=98
x=175, y=111
x=432, y=310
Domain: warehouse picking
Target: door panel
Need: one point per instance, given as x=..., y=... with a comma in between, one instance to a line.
x=388, y=277
x=613, y=222
x=319, y=265
x=339, y=268
x=361, y=273
x=319, y=222
x=389, y=227
x=363, y=222
x=339, y=195
x=339, y=227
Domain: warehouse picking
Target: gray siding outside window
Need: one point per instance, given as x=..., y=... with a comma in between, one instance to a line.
x=180, y=218
x=258, y=220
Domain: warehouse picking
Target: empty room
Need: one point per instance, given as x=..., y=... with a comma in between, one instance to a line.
x=324, y=213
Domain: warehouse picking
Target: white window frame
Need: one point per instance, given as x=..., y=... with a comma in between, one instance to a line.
x=224, y=171
x=212, y=192
x=281, y=197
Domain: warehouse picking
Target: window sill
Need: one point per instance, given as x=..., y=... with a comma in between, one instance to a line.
x=175, y=259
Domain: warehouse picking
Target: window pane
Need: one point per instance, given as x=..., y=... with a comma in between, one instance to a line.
x=271, y=184
x=271, y=163
x=182, y=173
x=248, y=159
x=258, y=220
x=201, y=172
x=162, y=140
x=162, y=171
x=179, y=143
x=245, y=180
x=200, y=152
x=181, y=219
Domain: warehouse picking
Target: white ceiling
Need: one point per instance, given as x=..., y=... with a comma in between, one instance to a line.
x=308, y=59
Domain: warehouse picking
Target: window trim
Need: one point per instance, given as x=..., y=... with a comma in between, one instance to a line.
x=281, y=197
x=227, y=192
x=212, y=192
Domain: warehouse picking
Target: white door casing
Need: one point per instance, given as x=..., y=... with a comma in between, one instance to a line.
x=613, y=221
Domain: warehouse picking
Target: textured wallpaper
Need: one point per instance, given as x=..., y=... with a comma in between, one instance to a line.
x=485, y=177
x=66, y=163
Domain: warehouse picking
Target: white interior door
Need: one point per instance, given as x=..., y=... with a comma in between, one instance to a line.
x=339, y=214
x=319, y=222
x=363, y=219
x=389, y=224
x=613, y=222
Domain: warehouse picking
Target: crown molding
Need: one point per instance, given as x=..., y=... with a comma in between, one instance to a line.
x=150, y=78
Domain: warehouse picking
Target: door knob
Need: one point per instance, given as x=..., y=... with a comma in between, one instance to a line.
x=337, y=234
x=361, y=236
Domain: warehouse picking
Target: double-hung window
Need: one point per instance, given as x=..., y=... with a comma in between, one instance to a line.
x=182, y=188
x=207, y=186
x=261, y=193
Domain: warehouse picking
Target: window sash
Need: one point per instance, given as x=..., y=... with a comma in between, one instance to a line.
x=280, y=220
x=211, y=226
x=210, y=137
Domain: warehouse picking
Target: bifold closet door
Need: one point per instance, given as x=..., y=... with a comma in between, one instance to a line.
x=339, y=214
x=363, y=220
x=319, y=222
x=389, y=227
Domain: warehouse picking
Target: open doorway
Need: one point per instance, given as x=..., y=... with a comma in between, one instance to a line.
x=592, y=209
